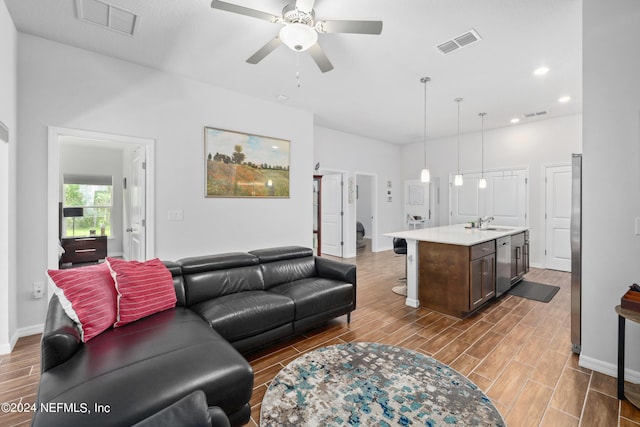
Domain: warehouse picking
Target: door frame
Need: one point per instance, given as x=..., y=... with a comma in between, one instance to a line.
x=374, y=208
x=53, y=185
x=343, y=174
x=543, y=211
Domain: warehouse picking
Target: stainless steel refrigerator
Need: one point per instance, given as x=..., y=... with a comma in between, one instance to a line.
x=576, y=251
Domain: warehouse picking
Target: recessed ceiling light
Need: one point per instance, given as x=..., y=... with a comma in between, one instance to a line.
x=564, y=99
x=541, y=71
x=515, y=120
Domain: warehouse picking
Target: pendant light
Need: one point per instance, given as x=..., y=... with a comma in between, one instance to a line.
x=482, y=184
x=457, y=181
x=425, y=175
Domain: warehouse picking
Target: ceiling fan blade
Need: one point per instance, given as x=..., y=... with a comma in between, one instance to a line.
x=320, y=58
x=358, y=27
x=264, y=51
x=221, y=5
x=305, y=5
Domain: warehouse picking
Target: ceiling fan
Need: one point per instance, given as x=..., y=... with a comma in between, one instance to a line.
x=300, y=29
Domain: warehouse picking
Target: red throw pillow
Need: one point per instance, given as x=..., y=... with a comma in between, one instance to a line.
x=88, y=296
x=143, y=288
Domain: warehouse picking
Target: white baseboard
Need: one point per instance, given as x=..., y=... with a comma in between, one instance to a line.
x=607, y=368
x=7, y=347
x=30, y=330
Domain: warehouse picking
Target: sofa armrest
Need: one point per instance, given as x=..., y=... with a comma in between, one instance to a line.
x=61, y=336
x=336, y=270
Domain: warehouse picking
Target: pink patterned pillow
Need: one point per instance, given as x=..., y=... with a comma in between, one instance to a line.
x=143, y=288
x=88, y=296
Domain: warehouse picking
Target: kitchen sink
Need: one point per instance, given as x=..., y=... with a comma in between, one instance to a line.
x=497, y=228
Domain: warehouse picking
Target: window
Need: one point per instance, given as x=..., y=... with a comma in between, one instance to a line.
x=87, y=205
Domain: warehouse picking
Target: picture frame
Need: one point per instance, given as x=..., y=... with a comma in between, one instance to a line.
x=239, y=164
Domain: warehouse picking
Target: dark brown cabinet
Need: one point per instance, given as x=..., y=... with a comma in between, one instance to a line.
x=519, y=256
x=455, y=279
x=483, y=279
x=83, y=249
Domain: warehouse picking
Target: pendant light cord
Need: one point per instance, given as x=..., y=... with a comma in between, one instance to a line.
x=425, y=80
x=482, y=153
x=458, y=100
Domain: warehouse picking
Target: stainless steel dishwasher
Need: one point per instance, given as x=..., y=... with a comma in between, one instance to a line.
x=503, y=265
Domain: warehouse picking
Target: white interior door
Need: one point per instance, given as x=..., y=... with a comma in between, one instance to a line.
x=504, y=198
x=331, y=216
x=137, y=202
x=558, y=217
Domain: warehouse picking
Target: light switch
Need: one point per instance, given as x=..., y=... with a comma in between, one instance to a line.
x=637, y=226
x=176, y=215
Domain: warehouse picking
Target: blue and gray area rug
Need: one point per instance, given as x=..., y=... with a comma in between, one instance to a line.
x=369, y=384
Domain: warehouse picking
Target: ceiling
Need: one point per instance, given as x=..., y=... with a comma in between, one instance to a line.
x=375, y=88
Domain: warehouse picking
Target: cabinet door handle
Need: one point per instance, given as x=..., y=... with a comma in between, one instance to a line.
x=517, y=252
x=84, y=250
x=86, y=239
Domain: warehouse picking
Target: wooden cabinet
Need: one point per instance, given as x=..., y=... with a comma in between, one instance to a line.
x=482, y=275
x=455, y=279
x=519, y=256
x=83, y=249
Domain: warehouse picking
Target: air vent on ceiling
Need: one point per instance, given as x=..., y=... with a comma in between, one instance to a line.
x=458, y=42
x=537, y=113
x=106, y=15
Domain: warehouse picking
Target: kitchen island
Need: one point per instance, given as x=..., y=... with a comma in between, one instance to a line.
x=454, y=270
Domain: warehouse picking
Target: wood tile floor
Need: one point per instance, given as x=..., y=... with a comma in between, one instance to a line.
x=518, y=351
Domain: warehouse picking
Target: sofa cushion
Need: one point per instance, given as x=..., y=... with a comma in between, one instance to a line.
x=143, y=367
x=244, y=314
x=144, y=288
x=190, y=411
x=214, y=276
x=88, y=297
x=279, y=272
x=316, y=295
x=281, y=253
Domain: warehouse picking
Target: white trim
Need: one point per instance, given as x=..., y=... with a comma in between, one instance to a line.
x=543, y=204
x=345, y=202
x=607, y=368
x=8, y=347
x=54, y=134
x=30, y=330
x=374, y=191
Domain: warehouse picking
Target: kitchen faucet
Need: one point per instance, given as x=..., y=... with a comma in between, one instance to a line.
x=483, y=222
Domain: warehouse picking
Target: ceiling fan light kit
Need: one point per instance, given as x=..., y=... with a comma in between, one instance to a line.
x=300, y=30
x=298, y=37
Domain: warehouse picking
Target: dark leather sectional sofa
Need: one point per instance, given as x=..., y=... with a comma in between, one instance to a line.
x=227, y=304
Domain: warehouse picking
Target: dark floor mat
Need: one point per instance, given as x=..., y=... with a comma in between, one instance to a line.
x=534, y=291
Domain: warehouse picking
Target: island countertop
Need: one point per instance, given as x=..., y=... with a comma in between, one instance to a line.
x=458, y=234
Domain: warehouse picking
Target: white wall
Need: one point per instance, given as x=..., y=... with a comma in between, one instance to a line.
x=88, y=160
x=611, y=178
x=8, y=112
x=532, y=145
x=337, y=150
x=59, y=85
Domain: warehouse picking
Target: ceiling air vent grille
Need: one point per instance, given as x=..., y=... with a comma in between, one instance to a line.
x=535, y=114
x=107, y=16
x=458, y=42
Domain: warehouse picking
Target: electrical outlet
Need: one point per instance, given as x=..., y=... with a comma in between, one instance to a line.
x=38, y=290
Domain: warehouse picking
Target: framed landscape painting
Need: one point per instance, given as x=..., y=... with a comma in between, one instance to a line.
x=243, y=165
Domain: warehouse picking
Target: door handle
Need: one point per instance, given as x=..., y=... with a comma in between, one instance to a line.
x=129, y=230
